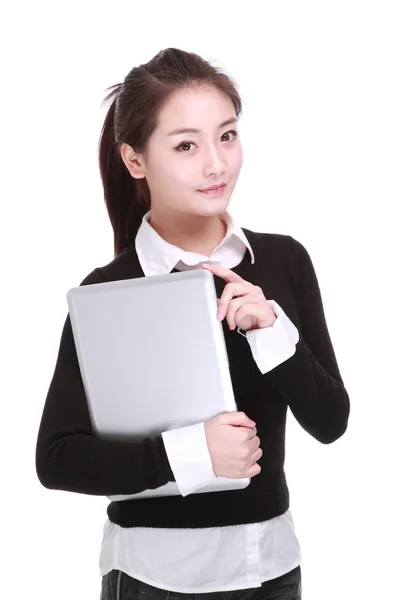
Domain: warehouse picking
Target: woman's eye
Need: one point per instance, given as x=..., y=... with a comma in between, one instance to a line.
x=185, y=146
x=181, y=146
x=233, y=132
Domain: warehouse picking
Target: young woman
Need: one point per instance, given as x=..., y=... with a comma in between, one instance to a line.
x=170, y=156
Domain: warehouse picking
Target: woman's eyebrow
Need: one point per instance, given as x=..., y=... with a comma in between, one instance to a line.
x=191, y=130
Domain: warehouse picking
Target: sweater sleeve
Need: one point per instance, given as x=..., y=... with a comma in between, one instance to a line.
x=310, y=380
x=70, y=457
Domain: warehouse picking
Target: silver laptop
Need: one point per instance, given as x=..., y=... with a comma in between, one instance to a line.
x=152, y=356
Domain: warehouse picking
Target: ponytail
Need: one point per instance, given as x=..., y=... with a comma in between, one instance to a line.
x=127, y=199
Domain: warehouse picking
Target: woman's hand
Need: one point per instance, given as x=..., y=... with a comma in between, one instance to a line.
x=234, y=445
x=243, y=303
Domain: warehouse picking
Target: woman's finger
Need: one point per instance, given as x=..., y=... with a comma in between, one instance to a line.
x=223, y=272
x=260, y=311
x=235, y=304
x=231, y=290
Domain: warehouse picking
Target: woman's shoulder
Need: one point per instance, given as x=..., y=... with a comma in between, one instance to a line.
x=285, y=250
x=282, y=242
x=123, y=266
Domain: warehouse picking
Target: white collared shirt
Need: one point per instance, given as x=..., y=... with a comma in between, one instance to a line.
x=218, y=558
x=156, y=256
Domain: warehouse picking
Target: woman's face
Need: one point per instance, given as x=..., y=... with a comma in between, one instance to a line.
x=177, y=165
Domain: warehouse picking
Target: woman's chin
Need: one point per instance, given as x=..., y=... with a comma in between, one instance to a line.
x=214, y=205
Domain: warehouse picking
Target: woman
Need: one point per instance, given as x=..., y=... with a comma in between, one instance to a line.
x=170, y=156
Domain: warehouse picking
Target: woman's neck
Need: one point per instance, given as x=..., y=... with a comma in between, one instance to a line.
x=192, y=234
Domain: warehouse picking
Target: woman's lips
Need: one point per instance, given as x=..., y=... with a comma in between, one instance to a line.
x=214, y=190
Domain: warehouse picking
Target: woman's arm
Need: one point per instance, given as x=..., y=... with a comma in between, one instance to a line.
x=310, y=380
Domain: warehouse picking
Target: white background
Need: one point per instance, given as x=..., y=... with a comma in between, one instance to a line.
x=320, y=130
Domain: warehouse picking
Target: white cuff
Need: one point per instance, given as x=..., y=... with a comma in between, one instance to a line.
x=189, y=457
x=271, y=346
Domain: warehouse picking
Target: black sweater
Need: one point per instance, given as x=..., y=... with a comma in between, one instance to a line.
x=69, y=456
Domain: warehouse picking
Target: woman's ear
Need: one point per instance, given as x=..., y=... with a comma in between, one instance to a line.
x=134, y=161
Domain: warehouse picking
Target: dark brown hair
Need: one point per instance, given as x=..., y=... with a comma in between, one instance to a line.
x=132, y=118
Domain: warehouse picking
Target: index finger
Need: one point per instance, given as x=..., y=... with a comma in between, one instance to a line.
x=224, y=273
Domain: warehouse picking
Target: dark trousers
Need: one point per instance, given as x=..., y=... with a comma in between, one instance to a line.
x=117, y=585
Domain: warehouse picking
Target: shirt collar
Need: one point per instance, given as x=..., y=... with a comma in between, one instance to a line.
x=157, y=256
